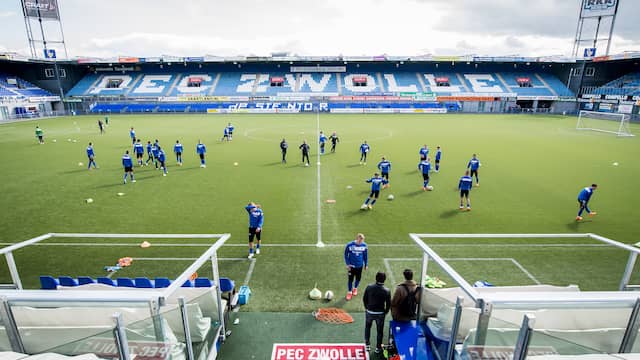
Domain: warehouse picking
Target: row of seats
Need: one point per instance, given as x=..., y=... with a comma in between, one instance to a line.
x=51, y=283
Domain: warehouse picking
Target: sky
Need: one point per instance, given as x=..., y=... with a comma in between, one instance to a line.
x=109, y=28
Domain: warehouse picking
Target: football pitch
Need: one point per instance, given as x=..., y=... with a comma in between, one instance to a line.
x=532, y=170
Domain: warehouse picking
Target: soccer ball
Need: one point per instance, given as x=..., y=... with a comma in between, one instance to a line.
x=328, y=295
x=307, y=164
x=430, y=188
x=235, y=164
x=364, y=207
x=390, y=197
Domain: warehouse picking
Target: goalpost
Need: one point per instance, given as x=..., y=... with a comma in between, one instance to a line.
x=613, y=123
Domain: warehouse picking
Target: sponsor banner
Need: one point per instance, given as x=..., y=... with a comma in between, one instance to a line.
x=543, y=98
x=85, y=60
x=107, y=349
x=310, y=94
x=625, y=108
x=448, y=58
x=154, y=59
x=466, y=98
x=45, y=9
x=615, y=97
x=194, y=59
x=168, y=98
x=288, y=98
x=200, y=98
x=387, y=110
x=322, y=69
x=212, y=111
x=478, y=352
x=235, y=98
x=595, y=8
x=600, y=58
x=128, y=59
x=170, y=58
x=605, y=107
x=44, y=98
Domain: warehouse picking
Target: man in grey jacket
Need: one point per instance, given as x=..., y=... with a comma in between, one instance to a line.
x=377, y=302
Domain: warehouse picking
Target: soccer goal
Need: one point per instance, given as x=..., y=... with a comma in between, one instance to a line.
x=612, y=123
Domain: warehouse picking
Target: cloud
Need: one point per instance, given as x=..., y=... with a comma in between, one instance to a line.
x=6, y=14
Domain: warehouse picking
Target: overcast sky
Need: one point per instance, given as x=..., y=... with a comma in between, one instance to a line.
x=108, y=28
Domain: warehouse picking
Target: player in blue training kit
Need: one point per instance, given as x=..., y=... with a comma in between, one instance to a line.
x=256, y=220
x=225, y=134
x=474, y=165
x=162, y=158
x=364, y=150
x=90, y=155
x=465, y=185
x=583, y=201
x=177, y=148
x=385, y=167
x=424, y=152
x=356, y=258
x=201, y=150
x=230, y=129
x=155, y=148
x=149, y=153
x=438, y=157
x=138, y=148
x=425, y=167
x=376, y=183
x=323, y=140
x=132, y=134
x=127, y=163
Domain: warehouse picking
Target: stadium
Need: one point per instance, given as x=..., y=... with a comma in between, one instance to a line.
x=153, y=262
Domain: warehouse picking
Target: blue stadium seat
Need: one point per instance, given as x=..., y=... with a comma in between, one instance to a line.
x=48, y=282
x=187, y=284
x=106, y=281
x=203, y=282
x=84, y=280
x=143, y=282
x=125, y=282
x=67, y=281
x=162, y=282
x=226, y=284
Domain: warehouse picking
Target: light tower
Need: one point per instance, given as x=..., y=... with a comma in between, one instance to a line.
x=595, y=16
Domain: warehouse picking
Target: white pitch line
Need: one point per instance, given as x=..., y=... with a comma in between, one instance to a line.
x=387, y=266
x=249, y=272
x=181, y=259
x=512, y=260
x=533, y=278
x=319, y=209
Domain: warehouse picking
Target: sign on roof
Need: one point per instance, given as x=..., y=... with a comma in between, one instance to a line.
x=595, y=8
x=45, y=9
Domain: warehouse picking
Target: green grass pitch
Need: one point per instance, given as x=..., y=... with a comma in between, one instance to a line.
x=532, y=170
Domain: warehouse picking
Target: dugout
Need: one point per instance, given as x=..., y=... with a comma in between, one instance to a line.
x=539, y=321
x=173, y=322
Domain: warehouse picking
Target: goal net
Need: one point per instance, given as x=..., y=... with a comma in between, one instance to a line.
x=612, y=123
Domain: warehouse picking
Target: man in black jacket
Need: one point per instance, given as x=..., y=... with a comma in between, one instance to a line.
x=377, y=302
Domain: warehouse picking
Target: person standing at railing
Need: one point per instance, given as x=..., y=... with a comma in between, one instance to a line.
x=405, y=300
x=377, y=302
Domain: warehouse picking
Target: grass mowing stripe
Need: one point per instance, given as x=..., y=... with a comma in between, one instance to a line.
x=318, y=209
x=329, y=245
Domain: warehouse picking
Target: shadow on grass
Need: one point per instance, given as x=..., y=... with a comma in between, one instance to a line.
x=575, y=225
x=83, y=169
x=273, y=163
x=415, y=193
x=449, y=213
x=354, y=165
x=120, y=183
